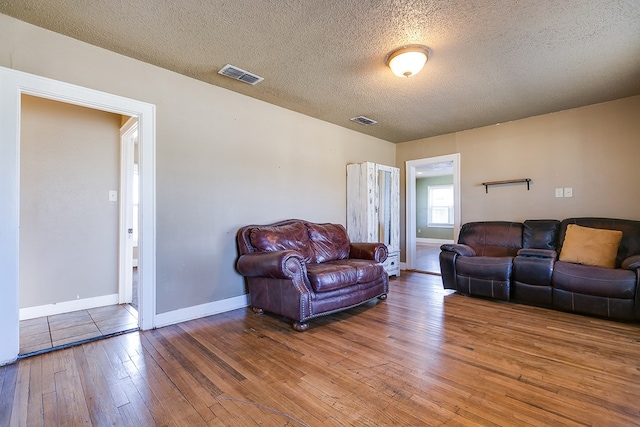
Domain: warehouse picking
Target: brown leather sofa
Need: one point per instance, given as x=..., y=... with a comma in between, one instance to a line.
x=302, y=270
x=522, y=262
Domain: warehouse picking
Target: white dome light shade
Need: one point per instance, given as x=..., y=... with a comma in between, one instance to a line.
x=408, y=61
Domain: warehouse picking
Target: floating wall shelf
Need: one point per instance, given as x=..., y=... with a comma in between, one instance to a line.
x=508, y=181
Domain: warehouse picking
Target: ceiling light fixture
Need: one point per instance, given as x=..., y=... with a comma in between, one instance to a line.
x=408, y=60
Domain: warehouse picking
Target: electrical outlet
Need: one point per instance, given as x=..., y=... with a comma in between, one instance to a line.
x=113, y=196
x=559, y=192
x=568, y=192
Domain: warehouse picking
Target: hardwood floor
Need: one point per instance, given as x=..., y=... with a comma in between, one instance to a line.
x=428, y=257
x=422, y=357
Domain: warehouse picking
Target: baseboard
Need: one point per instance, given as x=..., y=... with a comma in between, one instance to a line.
x=403, y=266
x=67, y=306
x=203, y=310
x=430, y=240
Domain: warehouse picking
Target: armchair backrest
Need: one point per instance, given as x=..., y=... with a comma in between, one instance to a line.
x=284, y=235
x=315, y=242
x=492, y=238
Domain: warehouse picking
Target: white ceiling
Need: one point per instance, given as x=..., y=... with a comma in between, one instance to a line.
x=491, y=61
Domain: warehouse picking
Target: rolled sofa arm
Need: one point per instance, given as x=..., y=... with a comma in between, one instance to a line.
x=538, y=253
x=276, y=265
x=377, y=252
x=631, y=263
x=459, y=248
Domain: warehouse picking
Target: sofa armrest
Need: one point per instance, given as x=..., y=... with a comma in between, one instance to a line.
x=276, y=265
x=538, y=253
x=377, y=252
x=459, y=248
x=631, y=263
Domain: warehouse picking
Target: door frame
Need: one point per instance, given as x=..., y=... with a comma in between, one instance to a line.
x=125, y=223
x=410, y=169
x=13, y=84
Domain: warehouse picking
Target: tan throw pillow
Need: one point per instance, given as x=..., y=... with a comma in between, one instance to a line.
x=590, y=246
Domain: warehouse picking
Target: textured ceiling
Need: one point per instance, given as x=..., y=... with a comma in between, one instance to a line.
x=491, y=61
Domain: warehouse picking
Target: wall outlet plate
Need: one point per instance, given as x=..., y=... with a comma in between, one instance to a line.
x=559, y=192
x=568, y=192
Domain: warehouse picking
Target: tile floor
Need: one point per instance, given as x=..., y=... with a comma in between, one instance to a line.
x=48, y=332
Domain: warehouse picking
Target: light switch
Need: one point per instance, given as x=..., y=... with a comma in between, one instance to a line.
x=559, y=192
x=113, y=196
x=568, y=192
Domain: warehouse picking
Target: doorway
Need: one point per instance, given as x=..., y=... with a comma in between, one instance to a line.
x=13, y=84
x=70, y=204
x=424, y=250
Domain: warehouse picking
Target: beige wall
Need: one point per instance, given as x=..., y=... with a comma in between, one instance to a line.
x=223, y=159
x=594, y=150
x=69, y=160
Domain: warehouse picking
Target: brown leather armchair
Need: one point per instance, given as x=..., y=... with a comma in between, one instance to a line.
x=302, y=270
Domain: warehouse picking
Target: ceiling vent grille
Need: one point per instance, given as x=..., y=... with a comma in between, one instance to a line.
x=363, y=120
x=240, y=74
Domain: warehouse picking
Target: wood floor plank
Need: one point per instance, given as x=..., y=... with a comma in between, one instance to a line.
x=9, y=375
x=35, y=409
x=136, y=410
x=98, y=389
x=50, y=410
x=196, y=388
x=155, y=380
x=21, y=398
x=425, y=356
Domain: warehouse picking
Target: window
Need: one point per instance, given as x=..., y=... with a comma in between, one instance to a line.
x=440, y=206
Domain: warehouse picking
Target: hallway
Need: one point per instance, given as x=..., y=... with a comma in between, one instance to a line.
x=427, y=258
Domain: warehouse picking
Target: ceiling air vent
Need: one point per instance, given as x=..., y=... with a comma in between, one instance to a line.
x=363, y=120
x=240, y=74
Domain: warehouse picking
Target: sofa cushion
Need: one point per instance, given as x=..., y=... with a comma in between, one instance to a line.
x=590, y=246
x=329, y=242
x=540, y=233
x=329, y=276
x=492, y=238
x=489, y=268
x=592, y=280
x=283, y=237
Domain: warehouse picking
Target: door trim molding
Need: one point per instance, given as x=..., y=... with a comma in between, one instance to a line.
x=13, y=84
x=125, y=240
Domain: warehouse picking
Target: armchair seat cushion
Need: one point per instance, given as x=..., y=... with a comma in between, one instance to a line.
x=332, y=275
x=593, y=280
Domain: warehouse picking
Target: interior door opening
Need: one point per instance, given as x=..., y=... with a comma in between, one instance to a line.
x=70, y=155
x=13, y=85
x=440, y=214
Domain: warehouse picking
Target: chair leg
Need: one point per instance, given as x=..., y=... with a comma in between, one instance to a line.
x=300, y=326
